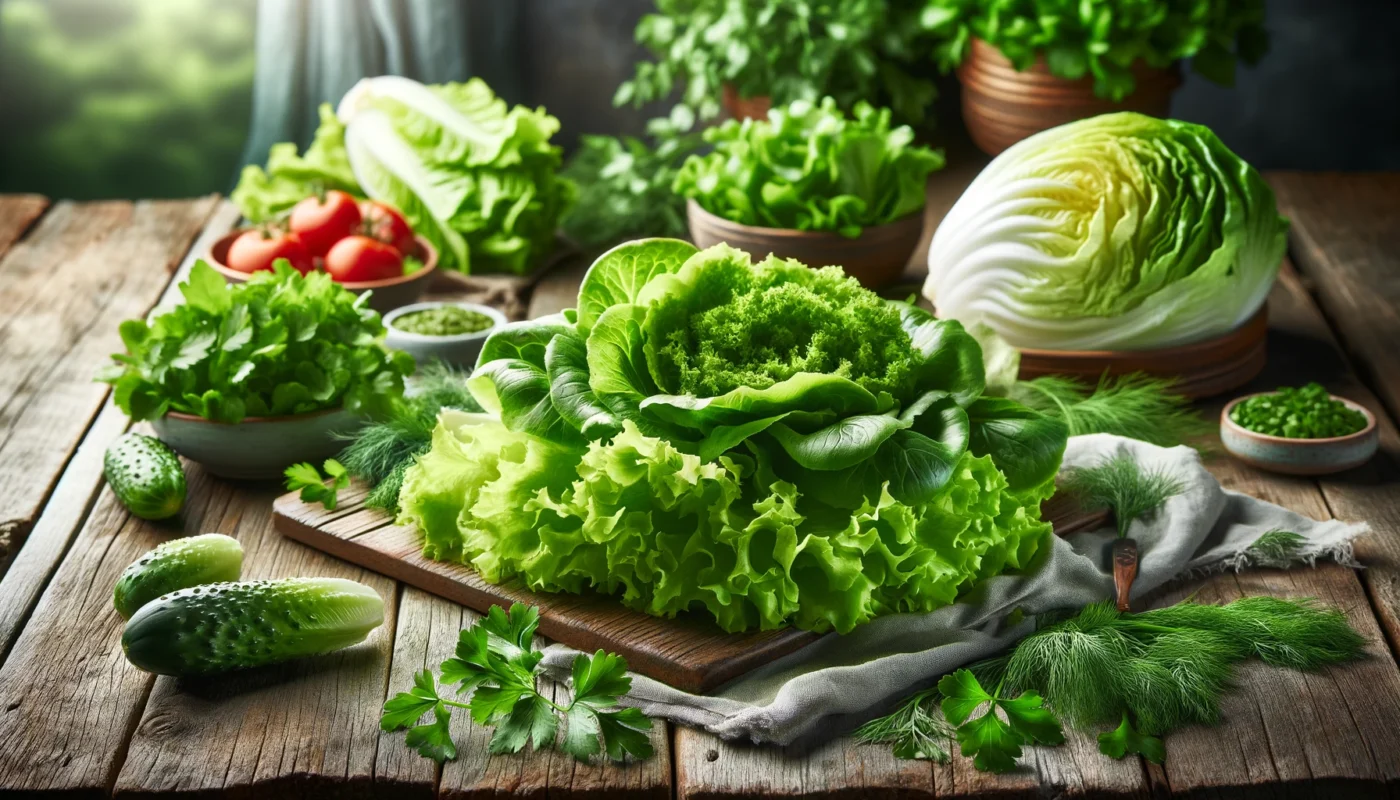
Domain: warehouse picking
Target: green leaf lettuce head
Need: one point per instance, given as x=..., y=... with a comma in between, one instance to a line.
x=769, y=443
x=1104, y=38
x=280, y=344
x=1117, y=232
x=476, y=178
x=811, y=167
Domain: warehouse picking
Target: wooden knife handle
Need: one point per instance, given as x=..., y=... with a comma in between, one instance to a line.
x=1125, y=567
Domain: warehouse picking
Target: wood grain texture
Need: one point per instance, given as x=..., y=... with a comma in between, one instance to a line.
x=68, y=698
x=688, y=652
x=1345, y=238
x=68, y=284
x=76, y=490
x=17, y=213
x=308, y=726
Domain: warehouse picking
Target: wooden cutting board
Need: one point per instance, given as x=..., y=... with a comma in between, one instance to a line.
x=689, y=652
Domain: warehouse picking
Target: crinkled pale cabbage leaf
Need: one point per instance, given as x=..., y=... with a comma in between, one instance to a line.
x=1122, y=231
x=767, y=443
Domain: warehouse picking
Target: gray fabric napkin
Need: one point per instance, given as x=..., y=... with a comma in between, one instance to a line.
x=839, y=680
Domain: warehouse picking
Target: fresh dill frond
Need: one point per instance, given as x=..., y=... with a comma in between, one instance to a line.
x=1137, y=406
x=380, y=452
x=1121, y=485
x=1277, y=548
x=1162, y=669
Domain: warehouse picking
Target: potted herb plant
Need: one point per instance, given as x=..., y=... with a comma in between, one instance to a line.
x=1029, y=65
x=249, y=378
x=813, y=184
x=745, y=57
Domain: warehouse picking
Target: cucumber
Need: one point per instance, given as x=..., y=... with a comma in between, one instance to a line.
x=146, y=476
x=226, y=626
x=177, y=564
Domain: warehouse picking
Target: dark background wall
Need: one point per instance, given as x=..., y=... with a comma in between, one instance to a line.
x=1326, y=97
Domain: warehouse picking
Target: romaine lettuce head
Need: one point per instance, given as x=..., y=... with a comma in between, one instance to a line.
x=697, y=402
x=1121, y=231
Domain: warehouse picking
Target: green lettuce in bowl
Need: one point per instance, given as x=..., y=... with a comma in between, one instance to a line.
x=764, y=443
x=251, y=377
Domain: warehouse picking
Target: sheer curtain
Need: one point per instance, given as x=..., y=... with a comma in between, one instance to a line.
x=311, y=51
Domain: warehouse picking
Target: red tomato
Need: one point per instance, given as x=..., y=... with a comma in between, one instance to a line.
x=356, y=259
x=385, y=223
x=321, y=221
x=255, y=250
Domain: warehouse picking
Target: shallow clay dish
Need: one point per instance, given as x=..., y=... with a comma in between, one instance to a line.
x=876, y=258
x=460, y=350
x=1202, y=369
x=389, y=293
x=1300, y=456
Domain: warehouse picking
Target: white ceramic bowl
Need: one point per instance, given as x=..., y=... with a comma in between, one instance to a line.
x=257, y=447
x=1300, y=456
x=460, y=350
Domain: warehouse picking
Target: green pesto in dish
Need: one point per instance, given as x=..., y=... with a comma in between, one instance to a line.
x=443, y=321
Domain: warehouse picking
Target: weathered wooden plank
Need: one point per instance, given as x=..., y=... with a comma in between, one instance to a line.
x=80, y=272
x=1345, y=239
x=17, y=213
x=76, y=490
x=291, y=729
x=559, y=289
x=428, y=628
x=68, y=698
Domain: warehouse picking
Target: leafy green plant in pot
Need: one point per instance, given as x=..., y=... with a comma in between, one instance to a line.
x=745, y=56
x=1029, y=65
x=246, y=379
x=813, y=184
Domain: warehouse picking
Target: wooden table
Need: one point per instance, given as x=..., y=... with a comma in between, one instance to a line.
x=76, y=718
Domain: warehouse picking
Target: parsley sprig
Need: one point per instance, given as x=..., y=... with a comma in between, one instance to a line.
x=314, y=488
x=994, y=742
x=494, y=661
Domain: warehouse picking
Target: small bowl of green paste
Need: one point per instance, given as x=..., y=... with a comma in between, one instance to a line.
x=447, y=331
x=1299, y=431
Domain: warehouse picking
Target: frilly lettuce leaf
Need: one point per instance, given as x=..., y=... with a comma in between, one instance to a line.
x=670, y=532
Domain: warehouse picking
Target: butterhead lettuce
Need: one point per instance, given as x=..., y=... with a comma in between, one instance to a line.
x=764, y=443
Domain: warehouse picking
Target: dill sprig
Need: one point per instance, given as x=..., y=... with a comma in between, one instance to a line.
x=1277, y=548
x=1163, y=669
x=381, y=452
x=1137, y=406
x=1121, y=485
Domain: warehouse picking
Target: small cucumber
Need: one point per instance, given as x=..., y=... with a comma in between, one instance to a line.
x=177, y=564
x=225, y=626
x=146, y=476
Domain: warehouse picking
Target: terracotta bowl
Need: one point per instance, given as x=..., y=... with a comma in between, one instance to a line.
x=744, y=107
x=1001, y=106
x=1300, y=456
x=1202, y=369
x=876, y=258
x=389, y=293
x=257, y=447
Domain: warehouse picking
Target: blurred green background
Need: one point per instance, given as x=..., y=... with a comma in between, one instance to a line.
x=124, y=98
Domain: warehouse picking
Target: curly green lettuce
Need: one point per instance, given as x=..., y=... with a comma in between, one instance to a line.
x=763, y=443
x=670, y=533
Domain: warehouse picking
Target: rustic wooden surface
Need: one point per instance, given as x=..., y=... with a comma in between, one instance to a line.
x=76, y=719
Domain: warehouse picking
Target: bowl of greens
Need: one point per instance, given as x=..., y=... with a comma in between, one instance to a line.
x=446, y=331
x=1299, y=431
x=248, y=378
x=814, y=184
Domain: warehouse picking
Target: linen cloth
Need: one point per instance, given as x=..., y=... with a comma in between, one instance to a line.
x=840, y=681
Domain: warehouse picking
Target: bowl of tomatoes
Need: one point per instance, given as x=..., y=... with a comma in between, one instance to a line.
x=365, y=245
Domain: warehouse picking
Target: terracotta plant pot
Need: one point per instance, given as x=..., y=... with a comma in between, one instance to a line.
x=1001, y=106
x=744, y=107
x=876, y=258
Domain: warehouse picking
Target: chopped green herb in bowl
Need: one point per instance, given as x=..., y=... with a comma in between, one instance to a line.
x=1308, y=412
x=445, y=320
